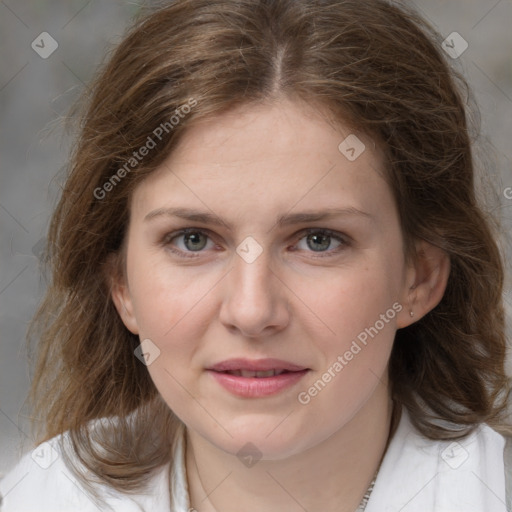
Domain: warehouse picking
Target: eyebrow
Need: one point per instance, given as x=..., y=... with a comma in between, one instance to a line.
x=191, y=214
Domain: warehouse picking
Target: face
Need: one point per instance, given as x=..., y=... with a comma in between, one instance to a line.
x=322, y=295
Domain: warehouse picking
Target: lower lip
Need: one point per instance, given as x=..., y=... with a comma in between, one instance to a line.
x=255, y=387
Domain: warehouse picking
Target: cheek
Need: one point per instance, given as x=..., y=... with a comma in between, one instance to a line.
x=172, y=308
x=348, y=300
x=165, y=297
x=170, y=311
x=358, y=307
x=361, y=314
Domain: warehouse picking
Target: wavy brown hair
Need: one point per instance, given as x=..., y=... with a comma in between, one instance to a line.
x=375, y=66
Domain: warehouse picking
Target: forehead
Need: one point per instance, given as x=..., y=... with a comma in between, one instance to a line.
x=274, y=156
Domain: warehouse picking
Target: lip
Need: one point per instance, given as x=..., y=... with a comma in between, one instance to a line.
x=256, y=365
x=257, y=387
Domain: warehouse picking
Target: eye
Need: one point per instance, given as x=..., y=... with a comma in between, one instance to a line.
x=194, y=240
x=319, y=241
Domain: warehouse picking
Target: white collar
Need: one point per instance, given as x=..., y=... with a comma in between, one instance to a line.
x=421, y=475
x=418, y=474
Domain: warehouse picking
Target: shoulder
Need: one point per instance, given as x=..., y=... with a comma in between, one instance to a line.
x=483, y=441
x=42, y=481
x=445, y=475
x=481, y=450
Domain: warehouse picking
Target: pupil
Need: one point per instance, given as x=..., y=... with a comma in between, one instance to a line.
x=324, y=237
x=194, y=239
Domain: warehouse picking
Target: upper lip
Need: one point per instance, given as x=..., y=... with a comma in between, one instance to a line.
x=255, y=365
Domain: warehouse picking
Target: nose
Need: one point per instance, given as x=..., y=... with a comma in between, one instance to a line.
x=255, y=301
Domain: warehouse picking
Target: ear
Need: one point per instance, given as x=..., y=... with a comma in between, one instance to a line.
x=426, y=282
x=120, y=292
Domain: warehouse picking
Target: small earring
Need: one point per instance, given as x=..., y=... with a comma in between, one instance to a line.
x=411, y=313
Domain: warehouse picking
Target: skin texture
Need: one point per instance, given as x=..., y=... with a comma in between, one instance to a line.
x=292, y=302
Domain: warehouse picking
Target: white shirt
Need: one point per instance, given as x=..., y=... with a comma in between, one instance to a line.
x=416, y=475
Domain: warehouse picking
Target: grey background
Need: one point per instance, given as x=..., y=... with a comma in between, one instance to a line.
x=35, y=94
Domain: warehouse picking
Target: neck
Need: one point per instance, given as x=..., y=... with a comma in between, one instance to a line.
x=332, y=476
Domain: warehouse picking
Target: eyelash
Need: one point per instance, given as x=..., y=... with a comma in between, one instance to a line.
x=343, y=239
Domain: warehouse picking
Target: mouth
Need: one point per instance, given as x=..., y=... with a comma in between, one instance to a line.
x=257, y=378
x=256, y=366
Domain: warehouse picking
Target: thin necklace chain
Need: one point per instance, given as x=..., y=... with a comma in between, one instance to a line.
x=366, y=497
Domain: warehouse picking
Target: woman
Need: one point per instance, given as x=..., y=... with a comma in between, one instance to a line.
x=273, y=287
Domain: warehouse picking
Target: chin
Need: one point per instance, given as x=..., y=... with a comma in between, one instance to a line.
x=270, y=438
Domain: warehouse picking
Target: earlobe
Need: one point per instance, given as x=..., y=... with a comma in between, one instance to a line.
x=120, y=295
x=427, y=283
